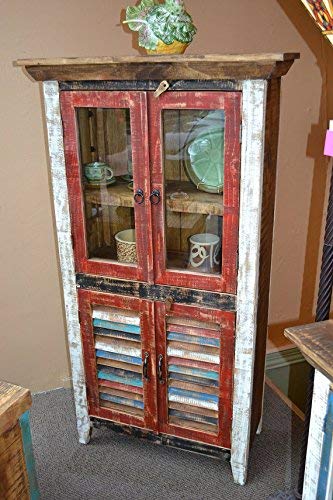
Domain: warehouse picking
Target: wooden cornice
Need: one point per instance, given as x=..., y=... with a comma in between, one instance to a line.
x=200, y=67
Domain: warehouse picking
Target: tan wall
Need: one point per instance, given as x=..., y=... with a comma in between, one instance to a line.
x=32, y=342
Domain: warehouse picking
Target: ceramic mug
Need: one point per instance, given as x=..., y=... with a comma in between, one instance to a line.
x=204, y=249
x=97, y=172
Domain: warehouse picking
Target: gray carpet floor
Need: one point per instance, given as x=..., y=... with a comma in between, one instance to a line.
x=115, y=466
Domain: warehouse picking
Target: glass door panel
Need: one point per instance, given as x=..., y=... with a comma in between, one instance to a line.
x=196, y=142
x=107, y=166
x=107, y=181
x=193, y=144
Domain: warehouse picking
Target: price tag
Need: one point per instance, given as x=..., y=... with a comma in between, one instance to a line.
x=328, y=150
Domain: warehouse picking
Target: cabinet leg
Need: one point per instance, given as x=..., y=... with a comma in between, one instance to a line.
x=239, y=472
x=84, y=431
x=259, y=428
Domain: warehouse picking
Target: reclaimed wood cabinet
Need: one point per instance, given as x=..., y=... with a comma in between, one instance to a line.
x=163, y=174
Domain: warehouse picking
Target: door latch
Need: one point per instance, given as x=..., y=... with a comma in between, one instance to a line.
x=163, y=86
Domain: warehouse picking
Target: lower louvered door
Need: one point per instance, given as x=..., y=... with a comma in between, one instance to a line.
x=118, y=339
x=194, y=367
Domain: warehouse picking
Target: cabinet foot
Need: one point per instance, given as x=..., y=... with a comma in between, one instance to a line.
x=85, y=431
x=239, y=472
x=259, y=428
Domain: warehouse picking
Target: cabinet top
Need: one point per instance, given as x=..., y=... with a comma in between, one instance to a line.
x=175, y=67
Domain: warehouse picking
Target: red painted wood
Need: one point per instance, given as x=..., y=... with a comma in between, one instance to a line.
x=226, y=320
x=136, y=102
x=230, y=103
x=87, y=299
x=121, y=387
x=192, y=363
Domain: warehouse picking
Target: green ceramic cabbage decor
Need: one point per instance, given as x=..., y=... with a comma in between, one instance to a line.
x=163, y=27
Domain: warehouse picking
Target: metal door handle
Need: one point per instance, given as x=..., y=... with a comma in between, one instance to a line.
x=145, y=366
x=160, y=369
x=139, y=196
x=155, y=197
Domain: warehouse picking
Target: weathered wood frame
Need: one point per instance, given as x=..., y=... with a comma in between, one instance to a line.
x=136, y=103
x=252, y=166
x=226, y=320
x=229, y=102
x=145, y=309
x=66, y=257
x=254, y=244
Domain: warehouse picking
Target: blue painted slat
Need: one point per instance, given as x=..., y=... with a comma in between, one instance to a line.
x=111, y=325
x=193, y=339
x=326, y=450
x=29, y=455
x=191, y=416
x=122, y=401
x=191, y=394
x=195, y=380
x=194, y=371
x=117, y=334
x=126, y=378
x=118, y=357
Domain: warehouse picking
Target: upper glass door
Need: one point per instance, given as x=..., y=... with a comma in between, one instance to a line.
x=195, y=184
x=108, y=178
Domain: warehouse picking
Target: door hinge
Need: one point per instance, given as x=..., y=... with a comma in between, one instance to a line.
x=79, y=315
x=73, y=240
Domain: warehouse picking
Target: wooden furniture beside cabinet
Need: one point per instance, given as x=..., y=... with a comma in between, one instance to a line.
x=315, y=342
x=17, y=469
x=168, y=339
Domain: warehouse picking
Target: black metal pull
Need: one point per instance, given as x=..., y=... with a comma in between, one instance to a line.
x=155, y=197
x=160, y=369
x=145, y=366
x=139, y=196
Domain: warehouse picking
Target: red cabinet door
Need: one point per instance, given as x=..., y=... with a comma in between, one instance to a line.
x=119, y=356
x=195, y=150
x=195, y=350
x=107, y=164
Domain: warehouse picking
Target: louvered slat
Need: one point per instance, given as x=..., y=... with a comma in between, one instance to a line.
x=193, y=352
x=119, y=359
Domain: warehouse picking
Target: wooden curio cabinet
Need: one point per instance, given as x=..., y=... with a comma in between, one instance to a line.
x=164, y=203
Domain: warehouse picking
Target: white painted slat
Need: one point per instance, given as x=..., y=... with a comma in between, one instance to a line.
x=116, y=315
x=193, y=402
x=198, y=356
x=252, y=161
x=118, y=349
x=62, y=217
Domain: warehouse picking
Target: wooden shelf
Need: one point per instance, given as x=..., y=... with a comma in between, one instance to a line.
x=198, y=202
x=315, y=341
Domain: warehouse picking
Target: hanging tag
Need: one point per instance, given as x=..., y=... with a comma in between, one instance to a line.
x=163, y=86
x=328, y=150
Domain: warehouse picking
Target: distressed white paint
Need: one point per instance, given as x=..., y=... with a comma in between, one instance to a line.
x=115, y=315
x=252, y=160
x=197, y=356
x=200, y=403
x=62, y=217
x=316, y=436
x=329, y=491
x=118, y=348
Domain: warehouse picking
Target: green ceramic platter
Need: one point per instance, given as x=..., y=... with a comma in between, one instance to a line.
x=204, y=161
